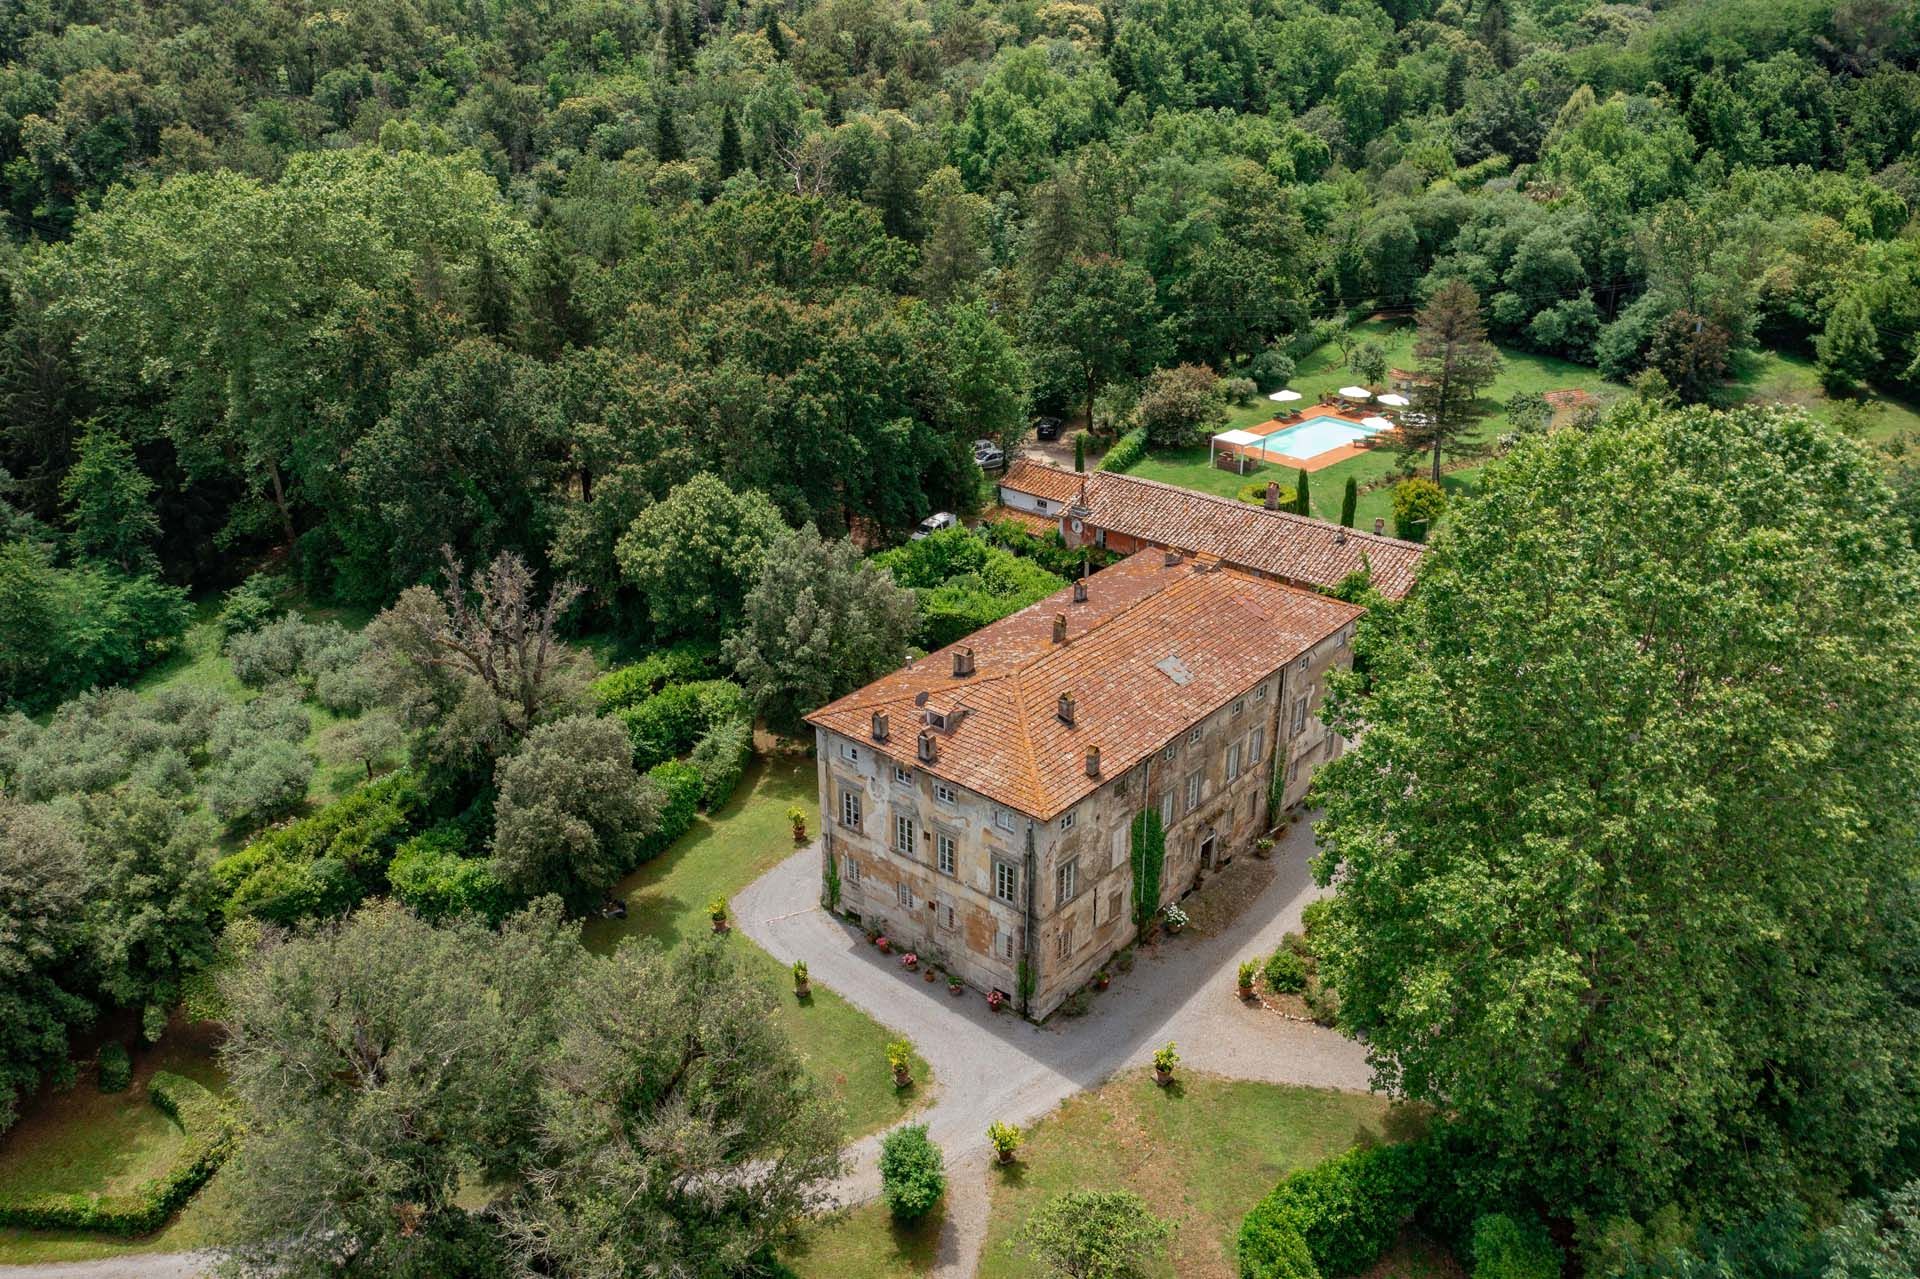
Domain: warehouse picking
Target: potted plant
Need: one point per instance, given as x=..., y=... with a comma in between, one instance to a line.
x=996, y=1000
x=1176, y=919
x=1006, y=1139
x=900, y=1060
x=717, y=912
x=954, y=984
x=1102, y=980
x=801, y=986
x=931, y=973
x=1248, y=970
x=909, y=961
x=797, y=818
x=886, y=947
x=1164, y=1060
x=1263, y=847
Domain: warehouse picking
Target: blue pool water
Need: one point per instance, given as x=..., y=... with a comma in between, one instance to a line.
x=1315, y=436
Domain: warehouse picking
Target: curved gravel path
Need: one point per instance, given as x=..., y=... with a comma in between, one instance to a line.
x=994, y=1066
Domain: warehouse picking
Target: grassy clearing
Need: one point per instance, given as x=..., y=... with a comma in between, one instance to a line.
x=1201, y=1154
x=723, y=853
x=1767, y=376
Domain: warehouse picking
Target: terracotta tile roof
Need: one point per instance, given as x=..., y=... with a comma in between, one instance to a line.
x=1152, y=651
x=1292, y=547
x=1041, y=480
x=1037, y=524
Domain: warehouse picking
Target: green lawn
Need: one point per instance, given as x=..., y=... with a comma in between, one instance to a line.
x=1201, y=1154
x=1767, y=376
x=85, y=1141
x=723, y=853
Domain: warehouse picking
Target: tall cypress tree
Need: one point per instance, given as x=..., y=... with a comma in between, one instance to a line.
x=674, y=36
x=775, y=36
x=667, y=147
x=1301, y=504
x=1349, y=501
x=730, y=156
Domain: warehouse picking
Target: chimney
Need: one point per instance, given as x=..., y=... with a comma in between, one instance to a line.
x=1066, y=709
x=962, y=662
x=1379, y=526
x=879, y=726
x=1059, y=628
x=1340, y=536
x=1079, y=590
x=1093, y=761
x=1273, y=495
x=1171, y=558
x=928, y=751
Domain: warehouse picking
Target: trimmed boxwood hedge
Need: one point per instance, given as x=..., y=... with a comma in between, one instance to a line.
x=721, y=755
x=681, y=787
x=1126, y=452
x=632, y=684
x=210, y=1129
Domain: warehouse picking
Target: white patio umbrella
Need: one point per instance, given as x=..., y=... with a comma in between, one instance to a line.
x=1393, y=400
x=1284, y=397
x=1377, y=423
x=1355, y=393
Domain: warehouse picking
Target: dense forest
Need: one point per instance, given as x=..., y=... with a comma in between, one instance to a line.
x=536, y=331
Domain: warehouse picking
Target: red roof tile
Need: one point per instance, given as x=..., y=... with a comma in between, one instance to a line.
x=1226, y=630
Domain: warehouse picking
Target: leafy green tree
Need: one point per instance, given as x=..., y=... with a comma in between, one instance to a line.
x=1849, y=347
x=1369, y=363
x=1454, y=362
x=153, y=903
x=680, y=1133
x=1096, y=1234
x=695, y=554
x=380, y=1065
x=913, y=1173
x=65, y=630
x=984, y=381
x=1093, y=321
x=1178, y=406
x=571, y=811
x=1691, y=352
x=41, y=907
x=1418, y=504
x=1647, y=722
x=819, y=622
x=667, y=147
x=110, y=503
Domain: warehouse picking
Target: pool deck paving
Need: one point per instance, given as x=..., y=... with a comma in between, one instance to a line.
x=1319, y=461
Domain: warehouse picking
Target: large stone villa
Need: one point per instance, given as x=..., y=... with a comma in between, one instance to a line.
x=1124, y=513
x=976, y=805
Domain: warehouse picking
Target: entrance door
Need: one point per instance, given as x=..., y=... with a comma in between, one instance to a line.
x=1206, y=852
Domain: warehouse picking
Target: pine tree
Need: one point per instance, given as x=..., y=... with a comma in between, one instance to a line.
x=1454, y=361
x=1302, y=504
x=668, y=146
x=835, y=114
x=678, y=47
x=1350, y=501
x=775, y=36
x=730, y=156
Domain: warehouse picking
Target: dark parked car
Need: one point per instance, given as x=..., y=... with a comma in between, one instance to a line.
x=1047, y=428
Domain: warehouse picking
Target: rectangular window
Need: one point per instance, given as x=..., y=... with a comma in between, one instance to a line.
x=1006, y=946
x=1066, y=940
x=943, y=912
x=1117, y=848
x=1066, y=882
x=1233, y=761
x=850, y=753
x=1066, y=820
x=1166, y=810
x=904, y=891
x=903, y=835
x=1193, y=792
x=945, y=794
x=1256, y=742
x=945, y=850
x=1293, y=770
x=850, y=808
x=1260, y=693
x=1239, y=708
x=850, y=870
x=903, y=775
x=1299, y=716
x=1193, y=735
x=1003, y=819
x=1113, y=905
x=1172, y=749
x=1302, y=665
x=1006, y=881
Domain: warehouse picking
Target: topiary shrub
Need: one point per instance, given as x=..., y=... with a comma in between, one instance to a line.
x=116, y=1070
x=1286, y=972
x=1508, y=1248
x=912, y=1172
x=1348, y=1210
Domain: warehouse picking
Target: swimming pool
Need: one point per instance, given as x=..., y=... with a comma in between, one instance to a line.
x=1316, y=435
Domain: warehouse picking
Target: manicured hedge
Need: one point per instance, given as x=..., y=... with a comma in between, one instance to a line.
x=1347, y=1210
x=682, y=663
x=721, y=755
x=323, y=864
x=667, y=724
x=1126, y=452
x=209, y=1128
x=681, y=787
x=437, y=878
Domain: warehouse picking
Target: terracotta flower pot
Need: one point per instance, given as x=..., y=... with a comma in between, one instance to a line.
x=902, y=1077
x=931, y=975
x=1162, y=1077
x=719, y=925
x=956, y=988
x=1101, y=983
x=1006, y=1156
x=1246, y=992
x=802, y=989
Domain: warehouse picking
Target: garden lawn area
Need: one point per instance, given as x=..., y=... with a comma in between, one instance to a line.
x=85, y=1141
x=1767, y=376
x=1201, y=1154
x=724, y=852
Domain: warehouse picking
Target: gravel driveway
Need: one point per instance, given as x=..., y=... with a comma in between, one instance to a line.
x=992, y=1066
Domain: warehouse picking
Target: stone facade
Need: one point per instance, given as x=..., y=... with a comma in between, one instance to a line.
x=980, y=888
